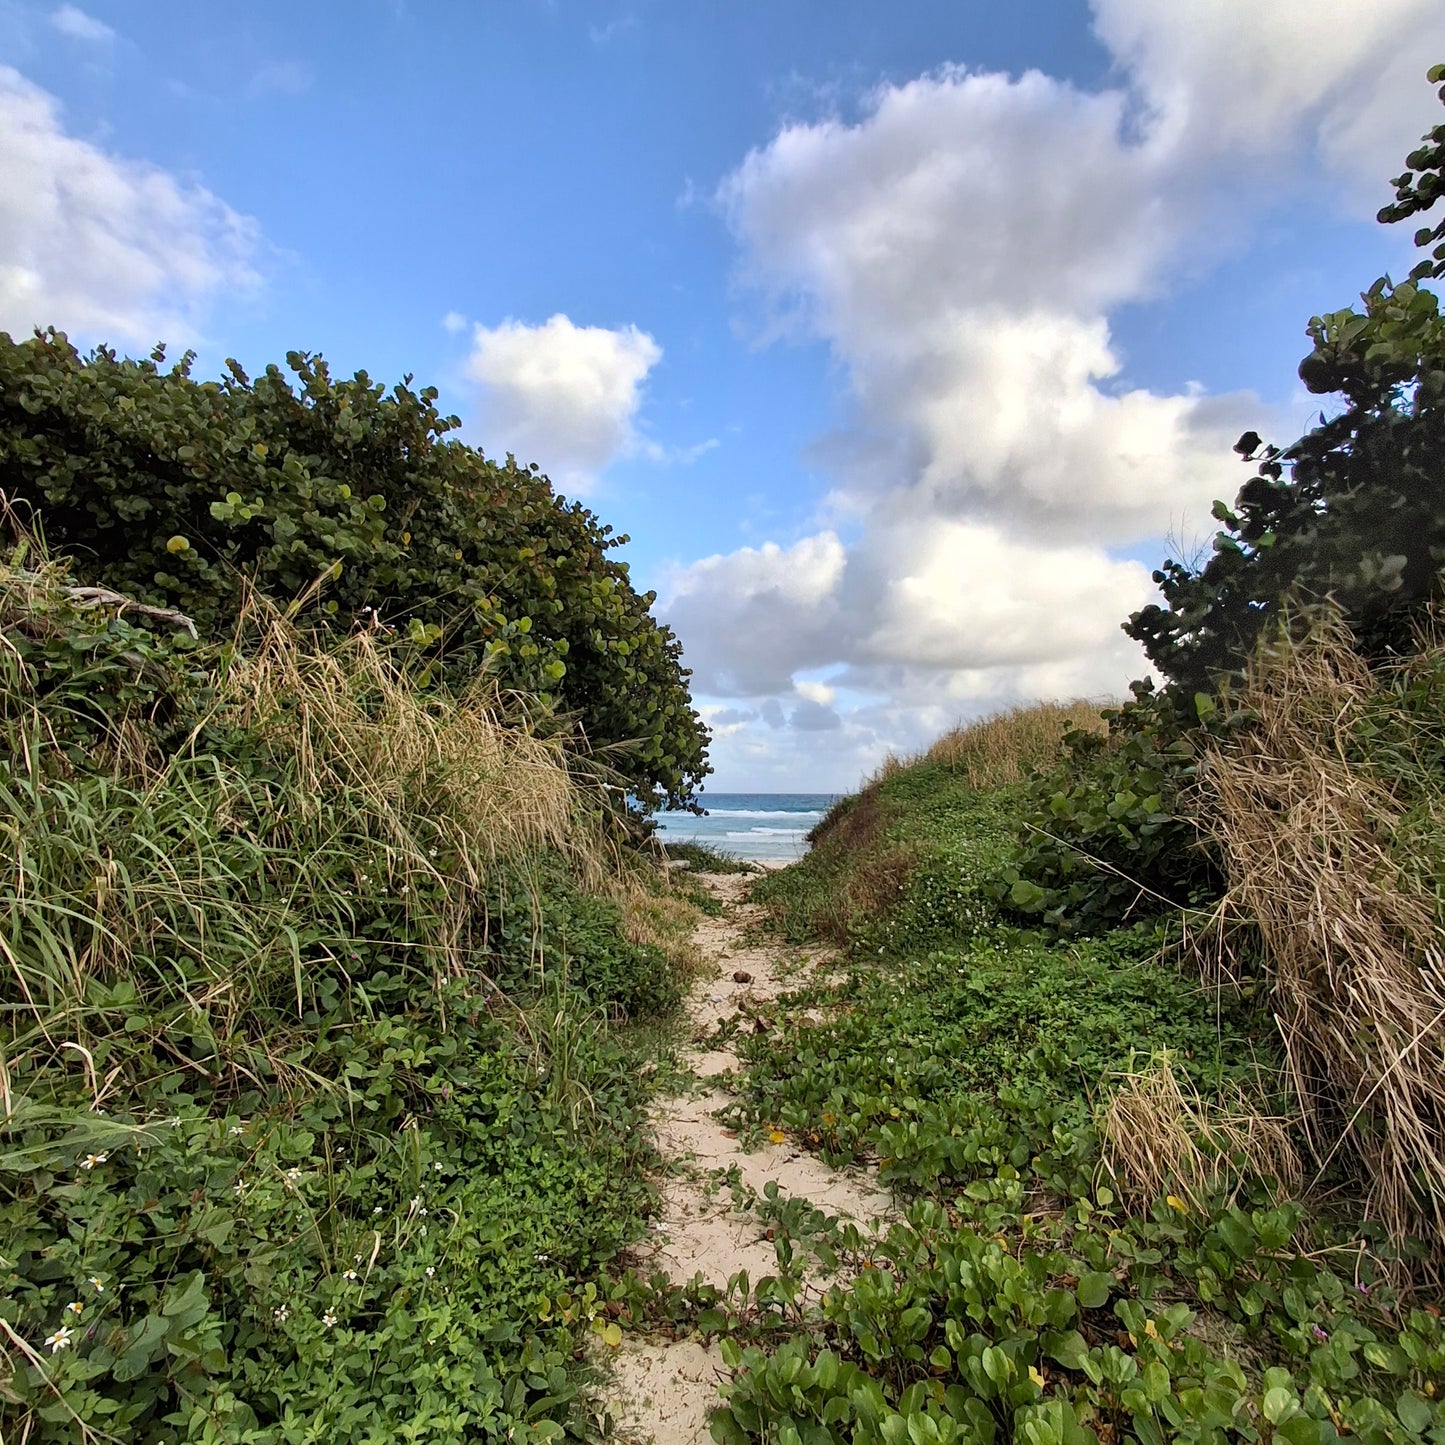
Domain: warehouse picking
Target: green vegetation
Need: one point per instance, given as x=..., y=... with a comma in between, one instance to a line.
x=900, y=864
x=186, y=494
x=1149, y=1039
x=705, y=858
x=316, y=1122
x=1105, y=1235
x=1354, y=509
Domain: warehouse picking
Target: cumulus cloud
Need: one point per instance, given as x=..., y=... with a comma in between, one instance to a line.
x=562, y=395
x=1235, y=77
x=901, y=608
x=72, y=21
x=113, y=248
x=961, y=249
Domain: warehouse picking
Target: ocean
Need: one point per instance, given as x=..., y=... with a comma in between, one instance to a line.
x=761, y=827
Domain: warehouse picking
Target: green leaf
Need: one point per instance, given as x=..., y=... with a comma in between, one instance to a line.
x=1279, y=1403
x=1415, y=1414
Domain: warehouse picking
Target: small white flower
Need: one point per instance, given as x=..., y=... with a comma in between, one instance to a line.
x=416, y=1201
x=377, y=1210
x=96, y=1284
x=328, y=1319
x=351, y=1274
x=240, y=1186
x=432, y=852
x=237, y=1129
x=91, y=1160
x=75, y=1307
x=437, y=1167
x=423, y=1231
x=280, y=1313
x=59, y=1339
x=358, y=1257
x=422, y=1211
x=293, y=1175
x=430, y=1270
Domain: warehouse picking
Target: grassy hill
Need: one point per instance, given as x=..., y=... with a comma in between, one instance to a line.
x=327, y=999
x=1126, y=1214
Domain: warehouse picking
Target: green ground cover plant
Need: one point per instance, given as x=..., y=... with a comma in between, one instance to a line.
x=1033, y=1290
x=320, y=1107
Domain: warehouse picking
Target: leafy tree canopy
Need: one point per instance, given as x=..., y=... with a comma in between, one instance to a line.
x=1354, y=509
x=172, y=490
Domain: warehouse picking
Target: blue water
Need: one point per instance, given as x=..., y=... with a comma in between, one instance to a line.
x=761, y=827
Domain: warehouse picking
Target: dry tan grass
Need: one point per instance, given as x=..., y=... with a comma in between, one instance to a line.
x=1003, y=748
x=493, y=788
x=1350, y=938
x=1158, y=1133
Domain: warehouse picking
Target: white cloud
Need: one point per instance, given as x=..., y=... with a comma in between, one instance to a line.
x=1237, y=77
x=913, y=608
x=754, y=617
x=454, y=322
x=113, y=248
x=961, y=249
x=72, y=21
x=818, y=692
x=562, y=395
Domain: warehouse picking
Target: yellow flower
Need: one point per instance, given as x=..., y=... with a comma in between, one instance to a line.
x=75, y=1307
x=1036, y=1376
x=777, y=1136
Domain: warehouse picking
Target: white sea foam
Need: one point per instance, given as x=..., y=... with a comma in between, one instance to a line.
x=771, y=832
x=799, y=814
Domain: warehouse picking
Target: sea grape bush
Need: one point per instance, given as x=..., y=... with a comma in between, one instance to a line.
x=1113, y=834
x=1356, y=507
x=169, y=489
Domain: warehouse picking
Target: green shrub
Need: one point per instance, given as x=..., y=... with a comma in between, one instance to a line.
x=1114, y=834
x=1355, y=509
x=281, y=1157
x=175, y=491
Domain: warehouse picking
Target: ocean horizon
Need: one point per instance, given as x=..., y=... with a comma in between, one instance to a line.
x=756, y=827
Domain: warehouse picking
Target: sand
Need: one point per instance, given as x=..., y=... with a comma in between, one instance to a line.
x=665, y=1390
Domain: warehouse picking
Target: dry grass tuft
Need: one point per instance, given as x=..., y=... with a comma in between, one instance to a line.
x=1158, y=1133
x=1350, y=936
x=454, y=776
x=1004, y=747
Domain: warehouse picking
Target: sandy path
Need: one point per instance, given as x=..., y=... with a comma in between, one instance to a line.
x=665, y=1391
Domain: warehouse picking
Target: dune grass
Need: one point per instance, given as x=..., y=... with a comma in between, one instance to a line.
x=1106, y=1227
x=1330, y=814
x=899, y=861
x=313, y=1099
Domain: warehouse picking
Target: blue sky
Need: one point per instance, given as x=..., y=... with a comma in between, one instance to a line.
x=897, y=337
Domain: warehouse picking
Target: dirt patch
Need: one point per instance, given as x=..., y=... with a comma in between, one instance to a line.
x=666, y=1390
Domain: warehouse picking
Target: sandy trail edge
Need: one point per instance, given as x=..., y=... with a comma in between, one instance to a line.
x=665, y=1391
